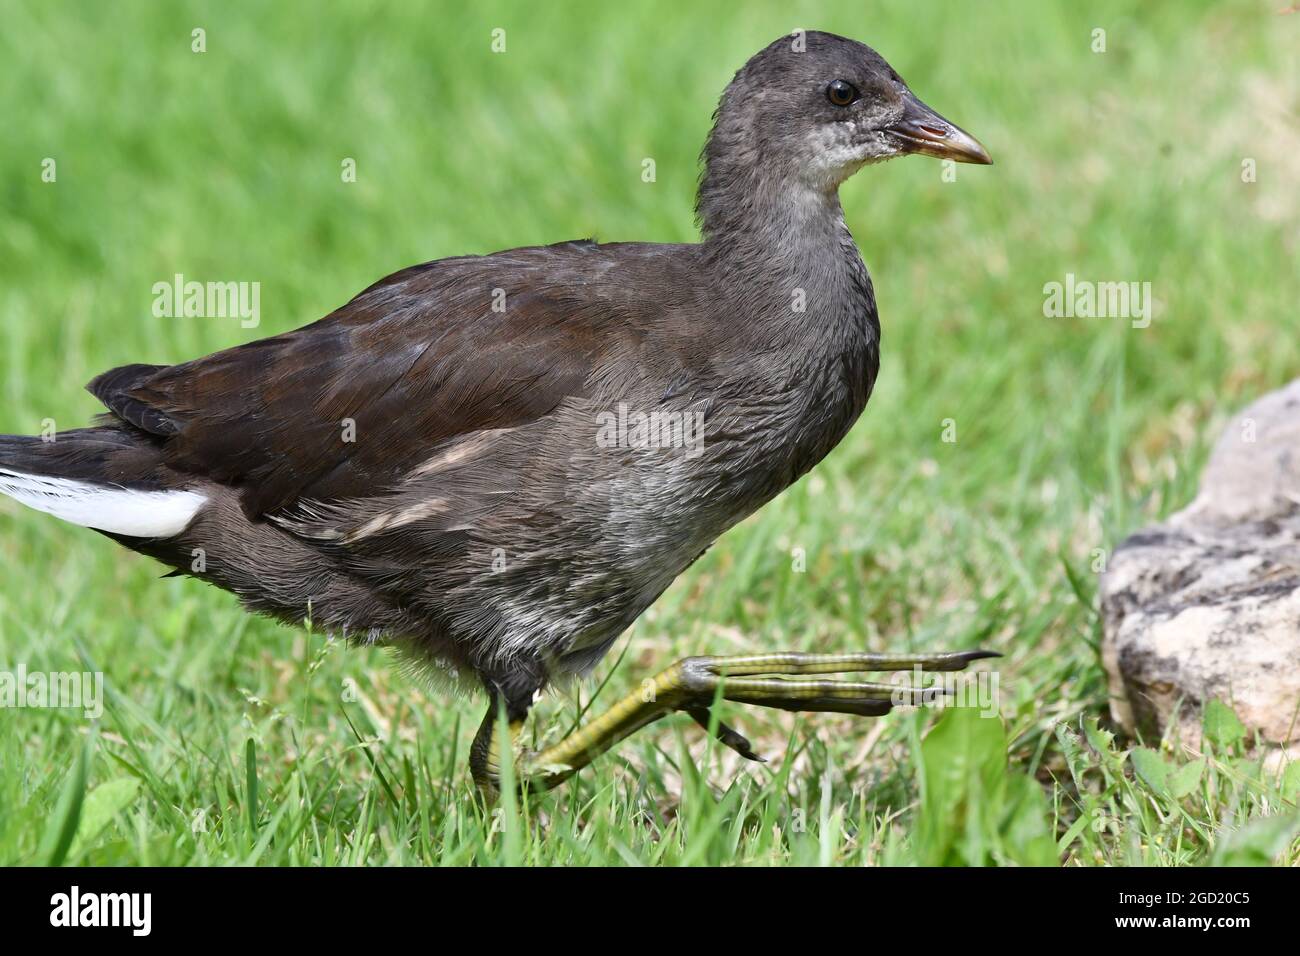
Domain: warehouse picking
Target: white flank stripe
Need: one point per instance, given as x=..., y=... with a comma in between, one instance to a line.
x=137, y=514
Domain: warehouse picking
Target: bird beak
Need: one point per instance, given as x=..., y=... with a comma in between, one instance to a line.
x=922, y=130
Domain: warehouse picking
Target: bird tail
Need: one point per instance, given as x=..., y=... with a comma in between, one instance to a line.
x=106, y=478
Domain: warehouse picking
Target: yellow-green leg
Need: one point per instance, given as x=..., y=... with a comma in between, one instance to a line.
x=692, y=685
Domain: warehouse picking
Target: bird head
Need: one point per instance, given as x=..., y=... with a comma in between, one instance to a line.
x=819, y=107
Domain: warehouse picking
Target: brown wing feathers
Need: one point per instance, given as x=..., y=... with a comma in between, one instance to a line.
x=113, y=388
x=345, y=407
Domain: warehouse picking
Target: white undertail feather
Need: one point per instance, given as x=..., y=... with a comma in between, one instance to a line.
x=112, y=508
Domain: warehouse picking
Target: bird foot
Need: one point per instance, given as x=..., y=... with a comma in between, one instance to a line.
x=693, y=685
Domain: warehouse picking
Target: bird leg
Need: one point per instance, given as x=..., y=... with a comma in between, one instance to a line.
x=692, y=685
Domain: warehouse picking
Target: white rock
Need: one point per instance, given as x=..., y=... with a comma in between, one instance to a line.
x=1208, y=604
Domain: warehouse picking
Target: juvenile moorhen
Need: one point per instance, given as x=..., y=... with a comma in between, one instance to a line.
x=457, y=462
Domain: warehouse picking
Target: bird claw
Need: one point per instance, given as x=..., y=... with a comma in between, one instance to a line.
x=726, y=735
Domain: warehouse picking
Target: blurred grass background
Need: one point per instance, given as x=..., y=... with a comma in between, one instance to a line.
x=228, y=739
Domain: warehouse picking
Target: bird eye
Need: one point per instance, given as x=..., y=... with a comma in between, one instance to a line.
x=841, y=92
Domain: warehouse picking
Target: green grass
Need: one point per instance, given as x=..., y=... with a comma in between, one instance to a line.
x=228, y=739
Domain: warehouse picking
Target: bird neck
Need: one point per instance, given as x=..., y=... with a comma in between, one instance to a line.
x=751, y=216
x=786, y=243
